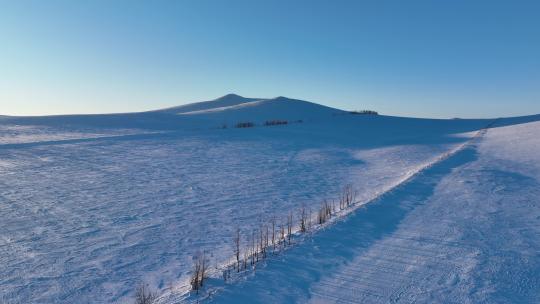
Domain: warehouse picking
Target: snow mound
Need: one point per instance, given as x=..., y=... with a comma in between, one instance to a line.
x=280, y=108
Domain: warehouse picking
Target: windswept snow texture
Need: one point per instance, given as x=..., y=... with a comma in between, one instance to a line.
x=466, y=230
x=13, y=134
x=90, y=206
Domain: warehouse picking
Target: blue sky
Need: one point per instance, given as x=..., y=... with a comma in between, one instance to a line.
x=410, y=58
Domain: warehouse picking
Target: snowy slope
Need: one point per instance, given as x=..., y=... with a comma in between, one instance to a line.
x=465, y=231
x=92, y=205
x=230, y=109
x=280, y=108
x=224, y=101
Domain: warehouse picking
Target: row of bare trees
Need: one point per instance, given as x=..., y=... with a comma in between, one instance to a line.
x=275, y=236
x=270, y=236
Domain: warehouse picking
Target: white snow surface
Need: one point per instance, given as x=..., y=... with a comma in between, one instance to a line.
x=91, y=206
x=28, y=134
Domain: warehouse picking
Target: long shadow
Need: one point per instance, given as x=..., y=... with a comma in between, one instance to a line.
x=287, y=278
x=350, y=131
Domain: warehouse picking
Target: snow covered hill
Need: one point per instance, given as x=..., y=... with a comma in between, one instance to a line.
x=280, y=108
x=224, y=101
x=229, y=109
x=93, y=205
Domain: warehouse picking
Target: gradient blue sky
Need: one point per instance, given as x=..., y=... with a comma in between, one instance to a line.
x=410, y=58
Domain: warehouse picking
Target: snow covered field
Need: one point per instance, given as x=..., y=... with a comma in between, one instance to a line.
x=90, y=206
x=464, y=231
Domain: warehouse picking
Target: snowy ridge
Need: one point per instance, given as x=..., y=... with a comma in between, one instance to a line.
x=182, y=293
x=259, y=111
x=221, y=102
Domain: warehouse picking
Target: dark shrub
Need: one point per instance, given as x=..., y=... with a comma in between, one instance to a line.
x=275, y=122
x=244, y=125
x=364, y=112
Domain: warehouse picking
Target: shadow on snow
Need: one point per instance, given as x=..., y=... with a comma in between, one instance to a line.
x=306, y=263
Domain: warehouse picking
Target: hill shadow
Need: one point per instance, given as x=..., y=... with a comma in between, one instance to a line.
x=329, y=249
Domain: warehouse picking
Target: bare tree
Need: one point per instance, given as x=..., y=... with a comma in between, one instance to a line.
x=282, y=230
x=227, y=274
x=261, y=241
x=302, y=216
x=237, y=248
x=273, y=221
x=266, y=236
x=143, y=295
x=246, y=257
x=253, y=250
x=289, y=226
x=265, y=240
x=321, y=216
x=195, y=276
x=199, y=272
x=310, y=216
